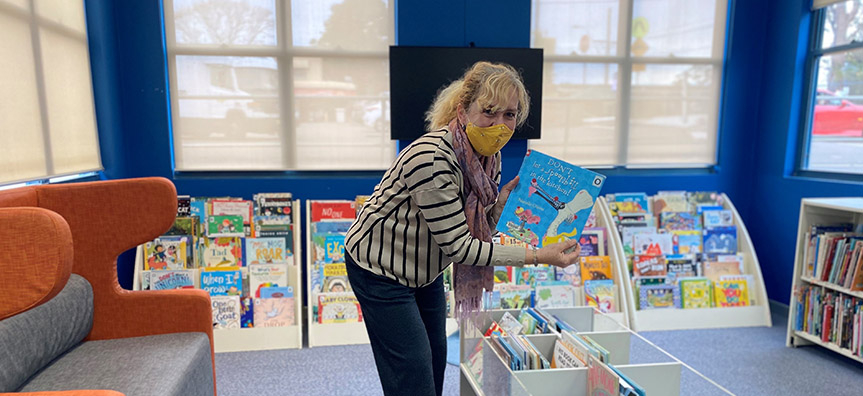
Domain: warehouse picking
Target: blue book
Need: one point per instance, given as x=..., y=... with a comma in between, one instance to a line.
x=551, y=202
x=720, y=240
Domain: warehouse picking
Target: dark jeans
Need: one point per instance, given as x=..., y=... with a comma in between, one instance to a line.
x=407, y=330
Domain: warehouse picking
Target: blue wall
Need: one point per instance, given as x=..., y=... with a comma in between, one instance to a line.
x=759, y=115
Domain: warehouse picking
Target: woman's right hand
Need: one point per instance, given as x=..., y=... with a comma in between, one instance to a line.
x=556, y=253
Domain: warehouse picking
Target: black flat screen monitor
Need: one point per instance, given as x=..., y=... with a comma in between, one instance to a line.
x=418, y=73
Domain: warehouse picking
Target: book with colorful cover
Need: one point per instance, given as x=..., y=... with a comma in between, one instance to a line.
x=592, y=242
x=247, y=312
x=552, y=201
x=718, y=218
x=630, y=202
x=273, y=204
x=233, y=207
x=184, y=226
x=648, y=265
x=338, y=308
x=720, y=240
x=555, y=294
x=681, y=265
x=266, y=275
x=334, y=248
x=570, y=274
x=653, y=243
x=658, y=296
x=627, y=236
x=670, y=201
x=267, y=251
x=711, y=198
x=713, y=270
x=335, y=278
x=274, y=312
x=595, y=268
x=223, y=282
x=679, y=221
x=695, y=292
x=220, y=252
x=226, y=311
x=171, y=279
x=333, y=210
x=515, y=296
x=225, y=226
x=600, y=295
x=686, y=241
x=601, y=380
x=532, y=274
x=503, y=274
x=168, y=253
x=277, y=292
x=731, y=292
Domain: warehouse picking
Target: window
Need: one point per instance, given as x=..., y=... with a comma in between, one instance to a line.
x=47, y=116
x=280, y=85
x=833, y=136
x=650, y=100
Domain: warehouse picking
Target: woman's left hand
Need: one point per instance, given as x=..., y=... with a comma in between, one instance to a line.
x=503, y=196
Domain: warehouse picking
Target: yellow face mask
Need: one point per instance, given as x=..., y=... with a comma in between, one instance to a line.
x=489, y=140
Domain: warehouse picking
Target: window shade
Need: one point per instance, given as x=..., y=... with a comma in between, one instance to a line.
x=816, y=4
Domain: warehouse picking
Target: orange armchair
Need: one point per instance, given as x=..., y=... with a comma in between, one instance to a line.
x=105, y=219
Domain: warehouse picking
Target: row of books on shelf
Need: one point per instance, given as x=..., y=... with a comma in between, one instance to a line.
x=836, y=318
x=509, y=338
x=834, y=254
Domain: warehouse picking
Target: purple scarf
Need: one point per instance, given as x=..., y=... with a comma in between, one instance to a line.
x=481, y=191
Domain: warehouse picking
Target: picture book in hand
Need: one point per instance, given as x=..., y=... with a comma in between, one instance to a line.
x=551, y=202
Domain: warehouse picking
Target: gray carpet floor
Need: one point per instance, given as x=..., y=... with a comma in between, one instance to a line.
x=746, y=361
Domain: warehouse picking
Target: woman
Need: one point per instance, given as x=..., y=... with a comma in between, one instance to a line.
x=438, y=204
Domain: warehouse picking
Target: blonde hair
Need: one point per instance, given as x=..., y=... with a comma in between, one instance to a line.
x=490, y=85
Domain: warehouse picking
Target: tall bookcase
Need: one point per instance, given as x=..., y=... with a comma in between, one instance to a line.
x=257, y=338
x=814, y=211
x=757, y=314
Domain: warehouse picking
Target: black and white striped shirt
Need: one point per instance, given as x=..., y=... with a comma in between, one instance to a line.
x=413, y=226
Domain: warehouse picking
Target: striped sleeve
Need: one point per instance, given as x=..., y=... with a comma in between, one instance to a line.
x=436, y=190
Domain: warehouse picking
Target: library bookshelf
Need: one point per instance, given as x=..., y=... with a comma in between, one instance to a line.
x=257, y=338
x=484, y=372
x=820, y=211
x=326, y=334
x=618, y=263
x=757, y=314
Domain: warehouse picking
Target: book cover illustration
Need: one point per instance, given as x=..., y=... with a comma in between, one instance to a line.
x=653, y=244
x=266, y=275
x=718, y=218
x=273, y=204
x=658, y=296
x=695, y=293
x=733, y=292
x=338, y=308
x=552, y=201
x=710, y=198
x=277, y=292
x=172, y=279
x=595, y=268
x=720, y=240
x=600, y=295
x=226, y=312
x=647, y=265
x=225, y=226
x=168, y=253
x=555, y=294
x=681, y=265
x=670, y=201
x=515, y=296
x=532, y=274
x=679, y=221
x=333, y=210
x=267, y=251
x=184, y=226
x=222, y=282
x=713, y=270
x=503, y=274
x=627, y=236
x=336, y=278
x=234, y=207
x=592, y=242
x=247, y=312
x=570, y=274
x=686, y=241
x=334, y=248
x=274, y=312
x=220, y=252
x=270, y=226
x=601, y=380
x=629, y=202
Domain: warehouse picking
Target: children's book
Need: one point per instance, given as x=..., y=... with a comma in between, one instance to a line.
x=247, y=312
x=653, y=244
x=515, y=296
x=273, y=204
x=335, y=278
x=681, y=265
x=711, y=198
x=731, y=292
x=225, y=226
x=720, y=240
x=266, y=275
x=503, y=274
x=592, y=242
x=338, y=308
x=277, y=292
x=226, y=312
x=184, y=226
x=555, y=294
x=274, y=312
x=233, y=207
x=333, y=210
x=686, y=241
x=647, y=265
x=627, y=236
x=510, y=325
x=601, y=380
x=266, y=251
x=695, y=292
x=658, y=296
x=223, y=282
x=600, y=294
x=713, y=270
x=630, y=202
x=570, y=274
x=595, y=268
x=532, y=274
x=679, y=221
x=334, y=248
x=552, y=201
x=718, y=218
x=670, y=201
x=168, y=253
x=220, y=252
x=172, y=279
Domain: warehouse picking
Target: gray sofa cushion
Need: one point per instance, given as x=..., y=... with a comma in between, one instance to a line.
x=166, y=364
x=32, y=339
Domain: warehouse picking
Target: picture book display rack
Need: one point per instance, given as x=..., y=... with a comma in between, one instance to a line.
x=818, y=212
x=757, y=314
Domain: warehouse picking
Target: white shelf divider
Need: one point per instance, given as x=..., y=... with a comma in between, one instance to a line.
x=757, y=314
x=618, y=263
x=815, y=211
